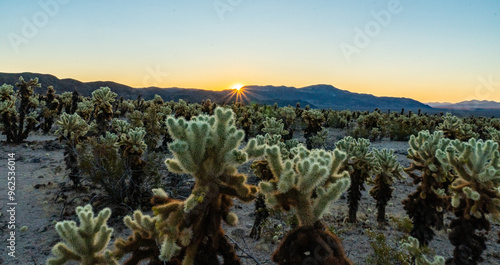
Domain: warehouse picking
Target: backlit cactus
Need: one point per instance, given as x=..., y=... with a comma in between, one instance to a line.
x=425, y=207
x=293, y=185
x=360, y=164
x=71, y=129
x=103, y=112
x=205, y=147
x=476, y=195
x=386, y=172
x=413, y=247
x=454, y=128
x=86, y=243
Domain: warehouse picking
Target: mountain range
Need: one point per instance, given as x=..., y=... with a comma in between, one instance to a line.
x=467, y=105
x=317, y=96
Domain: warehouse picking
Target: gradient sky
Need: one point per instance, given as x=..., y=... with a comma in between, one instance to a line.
x=429, y=50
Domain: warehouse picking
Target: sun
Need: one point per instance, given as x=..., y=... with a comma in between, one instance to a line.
x=237, y=86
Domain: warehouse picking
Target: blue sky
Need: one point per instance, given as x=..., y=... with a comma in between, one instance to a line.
x=427, y=50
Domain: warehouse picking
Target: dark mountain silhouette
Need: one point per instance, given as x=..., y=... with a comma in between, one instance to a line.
x=317, y=96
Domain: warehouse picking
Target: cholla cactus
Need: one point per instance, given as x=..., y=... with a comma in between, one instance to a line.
x=102, y=99
x=294, y=183
x=262, y=170
x=413, y=247
x=274, y=127
x=49, y=110
x=319, y=140
x=71, y=129
x=143, y=241
x=360, y=164
x=386, y=172
x=425, y=206
x=454, y=128
x=6, y=92
x=134, y=148
x=313, y=119
x=206, y=148
x=120, y=126
x=288, y=116
x=476, y=194
x=19, y=120
x=85, y=243
x=85, y=109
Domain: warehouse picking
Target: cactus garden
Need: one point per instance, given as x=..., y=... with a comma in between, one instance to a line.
x=107, y=180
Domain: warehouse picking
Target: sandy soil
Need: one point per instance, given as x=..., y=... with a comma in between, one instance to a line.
x=40, y=174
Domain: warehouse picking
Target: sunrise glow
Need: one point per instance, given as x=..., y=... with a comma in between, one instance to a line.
x=237, y=86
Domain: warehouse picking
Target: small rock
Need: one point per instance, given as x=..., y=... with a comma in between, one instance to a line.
x=35, y=160
x=40, y=177
x=42, y=229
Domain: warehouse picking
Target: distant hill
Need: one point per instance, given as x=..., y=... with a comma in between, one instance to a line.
x=317, y=96
x=467, y=105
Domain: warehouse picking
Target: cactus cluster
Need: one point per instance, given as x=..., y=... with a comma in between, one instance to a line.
x=476, y=195
x=308, y=182
x=425, y=207
x=360, y=164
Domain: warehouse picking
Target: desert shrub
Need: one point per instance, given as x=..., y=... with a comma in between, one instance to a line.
x=383, y=252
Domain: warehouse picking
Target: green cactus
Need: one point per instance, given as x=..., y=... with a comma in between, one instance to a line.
x=274, y=127
x=134, y=148
x=360, y=164
x=425, y=206
x=85, y=243
x=206, y=148
x=103, y=113
x=476, y=195
x=413, y=247
x=313, y=119
x=19, y=119
x=85, y=109
x=454, y=128
x=319, y=140
x=49, y=111
x=386, y=172
x=71, y=129
x=293, y=185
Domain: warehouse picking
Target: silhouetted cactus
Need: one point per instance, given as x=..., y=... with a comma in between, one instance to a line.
x=476, y=195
